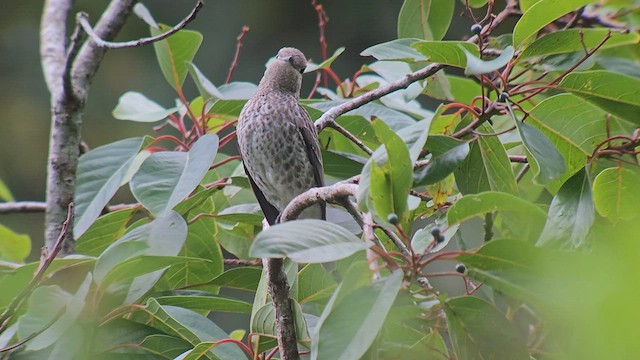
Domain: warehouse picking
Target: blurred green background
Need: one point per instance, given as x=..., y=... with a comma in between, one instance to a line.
x=355, y=24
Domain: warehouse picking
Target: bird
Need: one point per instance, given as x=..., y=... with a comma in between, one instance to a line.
x=278, y=141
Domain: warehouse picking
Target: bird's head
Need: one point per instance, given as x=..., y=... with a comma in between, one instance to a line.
x=285, y=72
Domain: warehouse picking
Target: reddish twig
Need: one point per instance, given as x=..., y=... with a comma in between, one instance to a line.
x=323, y=19
x=234, y=63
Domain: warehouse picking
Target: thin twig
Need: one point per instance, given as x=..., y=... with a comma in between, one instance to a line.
x=83, y=19
x=334, y=125
x=234, y=63
x=29, y=207
x=33, y=335
x=45, y=262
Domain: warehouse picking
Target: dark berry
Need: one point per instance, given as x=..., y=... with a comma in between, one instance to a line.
x=461, y=268
x=392, y=219
x=440, y=238
x=476, y=29
x=503, y=97
x=435, y=231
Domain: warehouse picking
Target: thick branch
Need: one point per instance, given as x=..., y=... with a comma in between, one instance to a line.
x=332, y=194
x=83, y=19
x=53, y=32
x=285, y=322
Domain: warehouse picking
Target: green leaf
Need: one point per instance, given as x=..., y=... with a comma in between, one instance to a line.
x=616, y=191
x=480, y=331
x=101, y=172
x=543, y=156
x=174, y=52
x=314, y=283
x=615, y=93
x=540, y=15
x=188, y=325
x=425, y=19
x=204, y=301
x=571, y=214
x=325, y=64
x=463, y=89
x=136, y=266
x=447, y=154
x=307, y=241
x=423, y=238
x=399, y=49
x=487, y=167
x=388, y=179
x=477, y=204
x=13, y=246
x=570, y=40
x=415, y=136
x=166, y=178
x=522, y=219
x=59, y=303
x=476, y=66
x=348, y=328
x=447, y=52
x=475, y=4
x=5, y=193
x=264, y=322
x=162, y=237
x=136, y=107
x=341, y=165
x=104, y=231
x=242, y=278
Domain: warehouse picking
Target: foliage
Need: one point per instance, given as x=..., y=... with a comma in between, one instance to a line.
x=539, y=140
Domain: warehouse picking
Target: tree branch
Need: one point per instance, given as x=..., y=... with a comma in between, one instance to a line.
x=26, y=207
x=328, y=117
x=332, y=194
x=285, y=322
x=82, y=19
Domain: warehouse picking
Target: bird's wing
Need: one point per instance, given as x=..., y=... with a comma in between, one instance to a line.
x=270, y=211
x=310, y=136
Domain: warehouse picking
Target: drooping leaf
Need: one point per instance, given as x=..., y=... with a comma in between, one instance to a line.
x=204, y=85
x=349, y=327
x=104, y=231
x=447, y=154
x=543, y=156
x=615, y=93
x=326, y=63
x=540, y=15
x=166, y=178
x=101, y=172
x=307, y=241
x=242, y=278
x=476, y=66
x=616, y=191
x=425, y=19
x=478, y=330
x=203, y=301
x=571, y=214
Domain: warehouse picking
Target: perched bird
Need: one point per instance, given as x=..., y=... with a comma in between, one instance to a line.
x=278, y=141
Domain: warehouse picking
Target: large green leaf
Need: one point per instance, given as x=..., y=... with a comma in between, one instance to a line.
x=307, y=241
x=14, y=247
x=571, y=213
x=480, y=331
x=263, y=322
x=574, y=126
x=425, y=19
x=174, y=52
x=487, y=167
x=543, y=156
x=101, y=172
x=349, y=327
x=616, y=191
x=570, y=40
x=540, y=15
x=104, y=231
x=326, y=63
x=447, y=154
x=162, y=237
x=188, y=325
x=203, y=301
x=447, y=52
x=136, y=107
x=166, y=178
x=242, y=278
x=522, y=219
x=509, y=266
x=314, y=283
x=614, y=92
